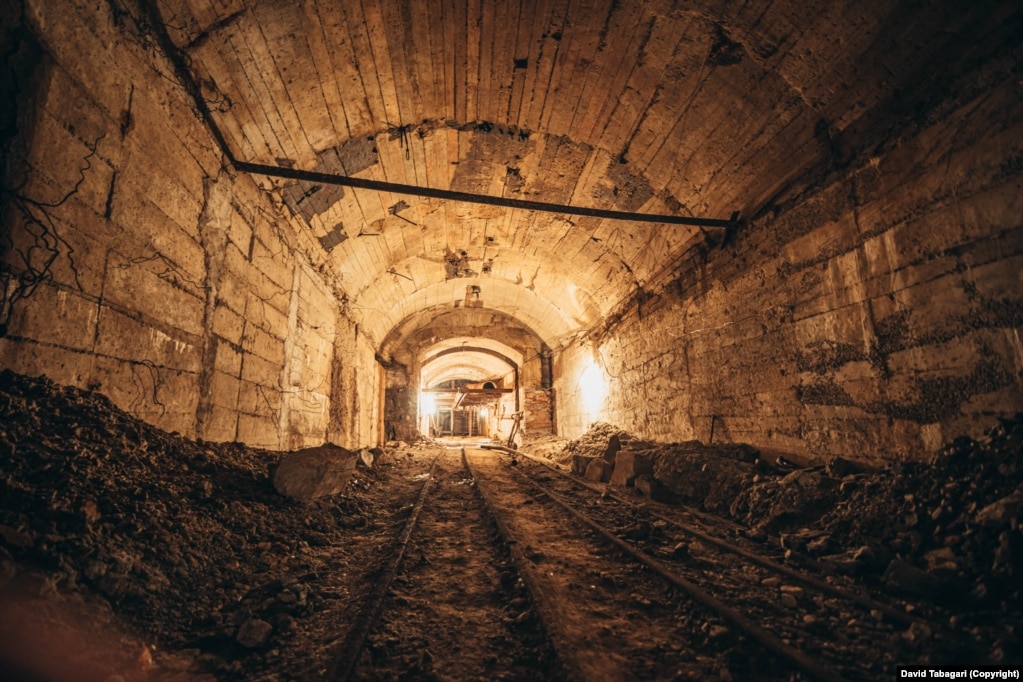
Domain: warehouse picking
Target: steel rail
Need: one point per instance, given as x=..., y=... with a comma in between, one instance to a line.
x=816, y=583
x=545, y=609
x=808, y=665
x=347, y=656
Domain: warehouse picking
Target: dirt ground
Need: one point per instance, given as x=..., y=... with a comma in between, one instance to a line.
x=128, y=553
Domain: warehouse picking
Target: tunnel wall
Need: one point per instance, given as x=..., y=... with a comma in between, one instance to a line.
x=875, y=317
x=133, y=264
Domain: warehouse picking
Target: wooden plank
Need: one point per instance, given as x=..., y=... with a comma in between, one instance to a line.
x=432, y=45
x=523, y=42
x=389, y=61
x=645, y=81
x=366, y=66
x=485, y=103
x=241, y=61
x=285, y=34
x=416, y=158
x=391, y=152
x=418, y=18
x=610, y=68
x=502, y=61
x=456, y=36
x=434, y=171
x=316, y=37
x=566, y=84
x=264, y=66
x=414, y=63
x=348, y=80
x=472, y=60
x=546, y=58
x=243, y=126
x=683, y=73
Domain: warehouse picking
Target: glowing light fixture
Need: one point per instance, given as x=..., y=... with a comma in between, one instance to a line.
x=593, y=389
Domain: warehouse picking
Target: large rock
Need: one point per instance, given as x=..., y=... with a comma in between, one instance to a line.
x=254, y=633
x=614, y=444
x=652, y=489
x=628, y=465
x=580, y=464
x=902, y=578
x=1002, y=512
x=598, y=470
x=310, y=473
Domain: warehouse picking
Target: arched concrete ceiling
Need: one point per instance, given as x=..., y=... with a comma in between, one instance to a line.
x=474, y=365
x=702, y=108
x=436, y=329
x=512, y=357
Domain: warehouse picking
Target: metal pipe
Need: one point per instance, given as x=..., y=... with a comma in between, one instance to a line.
x=182, y=71
x=435, y=193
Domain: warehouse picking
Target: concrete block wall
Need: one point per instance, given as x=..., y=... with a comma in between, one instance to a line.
x=538, y=406
x=357, y=389
x=875, y=317
x=181, y=291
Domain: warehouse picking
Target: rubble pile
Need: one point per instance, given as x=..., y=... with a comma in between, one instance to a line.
x=547, y=446
x=602, y=440
x=706, y=476
x=175, y=534
x=595, y=442
x=947, y=529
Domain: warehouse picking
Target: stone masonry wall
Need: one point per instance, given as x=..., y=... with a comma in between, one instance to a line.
x=875, y=317
x=133, y=263
x=579, y=405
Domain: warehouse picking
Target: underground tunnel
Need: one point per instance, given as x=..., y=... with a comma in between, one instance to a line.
x=524, y=339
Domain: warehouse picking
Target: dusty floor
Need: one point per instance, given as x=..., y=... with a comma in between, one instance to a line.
x=129, y=553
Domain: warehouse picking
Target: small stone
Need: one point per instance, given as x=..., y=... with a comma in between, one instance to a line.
x=917, y=632
x=1004, y=511
x=942, y=561
x=253, y=633
x=144, y=661
x=718, y=631
x=366, y=458
x=90, y=511
x=901, y=577
x=16, y=538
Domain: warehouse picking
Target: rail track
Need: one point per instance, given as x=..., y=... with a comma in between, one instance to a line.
x=610, y=617
x=827, y=631
x=510, y=570
x=448, y=604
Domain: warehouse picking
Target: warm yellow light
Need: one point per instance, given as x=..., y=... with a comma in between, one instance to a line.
x=427, y=405
x=484, y=412
x=593, y=389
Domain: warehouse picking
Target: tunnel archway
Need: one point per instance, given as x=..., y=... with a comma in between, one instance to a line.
x=469, y=389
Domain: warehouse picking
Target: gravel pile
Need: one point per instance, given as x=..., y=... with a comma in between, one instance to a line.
x=187, y=540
